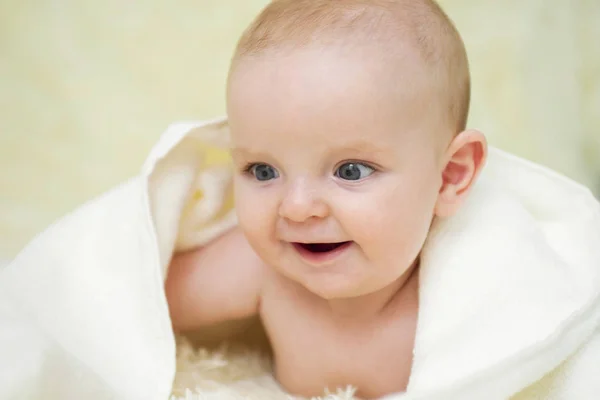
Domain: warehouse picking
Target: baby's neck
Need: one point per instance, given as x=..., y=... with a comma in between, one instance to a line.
x=374, y=305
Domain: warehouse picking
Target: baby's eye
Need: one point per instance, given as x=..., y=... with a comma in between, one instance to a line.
x=263, y=172
x=353, y=171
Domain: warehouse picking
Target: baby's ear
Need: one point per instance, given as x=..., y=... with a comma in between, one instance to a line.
x=464, y=160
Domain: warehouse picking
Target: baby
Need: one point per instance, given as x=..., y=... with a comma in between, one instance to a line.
x=348, y=139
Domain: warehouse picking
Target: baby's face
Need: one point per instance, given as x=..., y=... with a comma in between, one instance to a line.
x=337, y=175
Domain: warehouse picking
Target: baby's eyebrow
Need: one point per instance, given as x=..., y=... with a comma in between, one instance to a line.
x=239, y=150
x=362, y=146
x=245, y=152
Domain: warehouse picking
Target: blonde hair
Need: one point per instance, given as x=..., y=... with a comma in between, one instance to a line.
x=389, y=24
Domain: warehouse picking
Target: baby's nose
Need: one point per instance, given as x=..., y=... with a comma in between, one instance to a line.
x=302, y=201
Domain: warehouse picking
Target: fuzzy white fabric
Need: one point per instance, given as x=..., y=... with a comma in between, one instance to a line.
x=509, y=296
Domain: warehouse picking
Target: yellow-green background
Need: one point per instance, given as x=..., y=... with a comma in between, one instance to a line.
x=86, y=87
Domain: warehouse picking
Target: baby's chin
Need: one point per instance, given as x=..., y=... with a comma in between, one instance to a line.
x=339, y=285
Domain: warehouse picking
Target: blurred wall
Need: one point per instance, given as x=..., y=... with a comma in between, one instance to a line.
x=87, y=87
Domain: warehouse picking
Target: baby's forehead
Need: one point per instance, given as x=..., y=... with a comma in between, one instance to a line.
x=341, y=92
x=331, y=111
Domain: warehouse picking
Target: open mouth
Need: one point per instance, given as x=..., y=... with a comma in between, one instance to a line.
x=321, y=247
x=320, y=254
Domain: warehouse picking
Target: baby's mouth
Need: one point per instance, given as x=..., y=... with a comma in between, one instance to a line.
x=321, y=247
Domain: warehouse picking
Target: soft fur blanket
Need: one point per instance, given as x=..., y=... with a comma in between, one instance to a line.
x=509, y=296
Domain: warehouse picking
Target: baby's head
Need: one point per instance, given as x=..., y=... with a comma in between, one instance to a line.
x=348, y=132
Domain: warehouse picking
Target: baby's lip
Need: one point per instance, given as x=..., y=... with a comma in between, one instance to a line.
x=321, y=244
x=322, y=253
x=317, y=241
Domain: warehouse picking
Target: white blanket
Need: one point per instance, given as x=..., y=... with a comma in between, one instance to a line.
x=510, y=287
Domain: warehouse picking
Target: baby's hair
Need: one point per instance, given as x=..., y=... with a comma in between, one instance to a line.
x=389, y=24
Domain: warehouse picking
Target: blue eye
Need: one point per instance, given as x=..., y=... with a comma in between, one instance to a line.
x=263, y=172
x=353, y=171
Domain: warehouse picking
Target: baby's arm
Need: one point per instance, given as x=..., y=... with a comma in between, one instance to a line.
x=218, y=282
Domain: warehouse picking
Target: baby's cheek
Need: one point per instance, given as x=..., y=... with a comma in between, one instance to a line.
x=254, y=218
x=250, y=221
x=392, y=230
x=254, y=232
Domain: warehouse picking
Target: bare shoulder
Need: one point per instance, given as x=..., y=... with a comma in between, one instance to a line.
x=221, y=281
